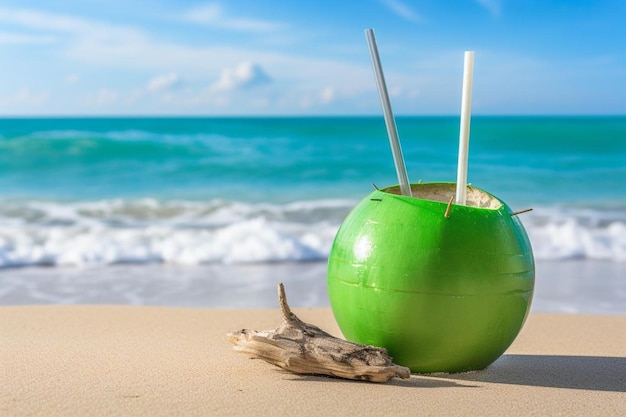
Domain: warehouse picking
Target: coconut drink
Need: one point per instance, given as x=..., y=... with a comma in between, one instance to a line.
x=441, y=294
x=439, y=274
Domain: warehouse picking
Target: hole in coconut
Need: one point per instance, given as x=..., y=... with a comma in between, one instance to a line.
x=442, y=192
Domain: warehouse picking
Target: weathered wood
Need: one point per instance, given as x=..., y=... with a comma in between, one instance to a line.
x=306, y=349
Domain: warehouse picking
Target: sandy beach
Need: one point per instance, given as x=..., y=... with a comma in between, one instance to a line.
x=160, y=361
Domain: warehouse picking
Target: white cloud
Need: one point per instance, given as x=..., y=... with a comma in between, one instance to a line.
x=42, y=21
x=395, y=92
x=315, y=99
x=71, y=78
x=212, y=14
x=492, y=6
x=12, y=38
x=246, y=75
x=24, y=97
x=164, y=82
x=78, y=32
x=131, y=49
x=327, y=95
x=103, y=97
x=109, y=47
x=402, y=10
x=61, y=23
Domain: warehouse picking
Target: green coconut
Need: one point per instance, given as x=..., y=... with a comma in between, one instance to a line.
x=443, y=288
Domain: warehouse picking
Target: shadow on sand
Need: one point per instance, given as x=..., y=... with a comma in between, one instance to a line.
x=596, y=373
x=574, y=372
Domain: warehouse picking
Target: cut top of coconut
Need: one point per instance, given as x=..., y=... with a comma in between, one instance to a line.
x=442, y=192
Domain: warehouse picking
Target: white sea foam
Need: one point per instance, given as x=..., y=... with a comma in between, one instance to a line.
x=574, y=233
x=176, y=232
x=220, y=232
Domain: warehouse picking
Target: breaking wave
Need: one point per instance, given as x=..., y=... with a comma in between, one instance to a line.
x=177, y=232
x=44, y=233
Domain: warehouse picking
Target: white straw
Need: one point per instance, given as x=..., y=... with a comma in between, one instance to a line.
x=466, y=108
x=392, y=132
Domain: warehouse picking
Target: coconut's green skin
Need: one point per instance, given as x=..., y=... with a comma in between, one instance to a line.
x=440, y=294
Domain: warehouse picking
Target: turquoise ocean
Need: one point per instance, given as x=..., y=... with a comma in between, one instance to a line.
x=163, y=210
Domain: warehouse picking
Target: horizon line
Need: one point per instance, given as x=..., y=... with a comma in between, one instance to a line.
x=285, y=116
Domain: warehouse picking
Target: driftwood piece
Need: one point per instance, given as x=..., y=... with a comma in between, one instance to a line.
x=306, y=349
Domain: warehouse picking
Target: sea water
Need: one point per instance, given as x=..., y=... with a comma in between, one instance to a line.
x=205, y=211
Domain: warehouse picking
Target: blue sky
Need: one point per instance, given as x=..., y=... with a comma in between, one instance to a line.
x=245, y=57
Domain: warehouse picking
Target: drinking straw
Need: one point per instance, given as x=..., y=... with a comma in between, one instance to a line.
x=392, y=132
x=466, y=107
